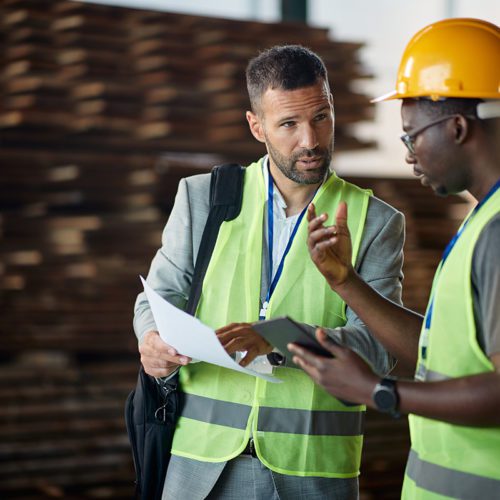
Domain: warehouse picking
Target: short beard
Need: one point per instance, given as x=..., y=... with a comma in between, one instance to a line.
x=288, y=166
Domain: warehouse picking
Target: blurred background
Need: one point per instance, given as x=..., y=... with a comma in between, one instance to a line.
x=103, y=108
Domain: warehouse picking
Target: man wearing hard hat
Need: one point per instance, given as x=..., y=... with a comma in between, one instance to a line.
x=448, y=81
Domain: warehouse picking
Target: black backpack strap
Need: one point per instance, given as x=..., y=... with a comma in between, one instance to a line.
x=151, y=436
x=226, y=193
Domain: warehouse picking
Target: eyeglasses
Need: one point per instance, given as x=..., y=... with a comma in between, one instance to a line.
x=409, y=138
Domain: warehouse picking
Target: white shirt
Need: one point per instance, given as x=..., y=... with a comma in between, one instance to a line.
x=282, y=228
x=283, y=225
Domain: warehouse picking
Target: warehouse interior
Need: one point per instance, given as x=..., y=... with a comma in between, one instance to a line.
x=104, y=109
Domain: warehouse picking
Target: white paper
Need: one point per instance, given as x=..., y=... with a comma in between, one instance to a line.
x=190, y=336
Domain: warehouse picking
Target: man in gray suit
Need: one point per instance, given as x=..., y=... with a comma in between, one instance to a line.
x=238, y=436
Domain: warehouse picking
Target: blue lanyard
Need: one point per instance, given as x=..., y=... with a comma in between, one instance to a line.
x=454, y=240
x=270, y=230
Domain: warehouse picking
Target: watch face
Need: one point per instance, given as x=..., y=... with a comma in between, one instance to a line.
x=384, y=399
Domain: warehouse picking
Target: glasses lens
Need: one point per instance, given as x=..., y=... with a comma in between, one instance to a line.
x=407, y=141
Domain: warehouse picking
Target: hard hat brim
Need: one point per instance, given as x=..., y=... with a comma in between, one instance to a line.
x=389, y=96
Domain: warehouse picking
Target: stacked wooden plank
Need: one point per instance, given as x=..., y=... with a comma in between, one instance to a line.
x=161, y=80
x=431, y=221
x=62, y=429
x=32, y=96
x=103, y=110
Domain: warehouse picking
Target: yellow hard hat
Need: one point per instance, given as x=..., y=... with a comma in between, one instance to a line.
x=452, y=58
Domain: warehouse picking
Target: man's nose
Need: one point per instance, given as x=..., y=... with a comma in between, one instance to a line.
x=308, y=137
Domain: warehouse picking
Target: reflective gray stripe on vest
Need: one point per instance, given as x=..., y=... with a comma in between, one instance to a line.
x=424, y=374
x=432, y=376
x=313, y=423
x=326, y=423
x=450, y=482
x=214, y=411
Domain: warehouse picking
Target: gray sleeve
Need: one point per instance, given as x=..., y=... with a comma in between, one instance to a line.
x=486, y=287
x=379, y=263
x=172, y=267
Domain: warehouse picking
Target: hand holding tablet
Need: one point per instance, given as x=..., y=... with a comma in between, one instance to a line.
x=282, y=331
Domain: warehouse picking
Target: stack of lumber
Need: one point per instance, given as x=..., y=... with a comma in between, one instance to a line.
x=103, y=110
x=78, y=72
x=431, y=221
x=62, y=428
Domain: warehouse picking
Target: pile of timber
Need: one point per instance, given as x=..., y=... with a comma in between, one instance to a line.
x=109, y=76
x=431, y=221
x=103, y=110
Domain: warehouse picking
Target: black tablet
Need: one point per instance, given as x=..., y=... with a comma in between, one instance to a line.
x=282, y=331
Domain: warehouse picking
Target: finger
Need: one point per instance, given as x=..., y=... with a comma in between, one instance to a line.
x=176, y=360
x=153, y=341
x=322, y=234
x=170, y=355
x=326, y=245
x=237, y=344
x=309, y=369
x=244, y=343
x=159, y=350
x=328, y=343
x=228, y=328
x=341, y=216
x=168, y=349
x=317, y=222
x=320, y=250
x=225, y=337
x=240, y=331
x=249, y=357
x=311, y=212
x=181, y=360
x=306, y=355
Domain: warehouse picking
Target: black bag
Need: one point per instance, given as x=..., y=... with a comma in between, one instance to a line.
x=151, y=411
x=152, y=408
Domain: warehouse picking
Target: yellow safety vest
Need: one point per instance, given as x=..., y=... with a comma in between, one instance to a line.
x=446, y=460
x=297, y=427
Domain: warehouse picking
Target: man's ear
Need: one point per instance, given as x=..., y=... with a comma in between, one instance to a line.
x=255, y=124
x=332, y=105
x=461, y=129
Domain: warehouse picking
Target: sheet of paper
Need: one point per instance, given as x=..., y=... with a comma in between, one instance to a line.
x=190, y=336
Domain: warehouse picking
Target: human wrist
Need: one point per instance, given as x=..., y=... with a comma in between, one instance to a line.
x=345, y=286
x=167, y=377
x=171, y=368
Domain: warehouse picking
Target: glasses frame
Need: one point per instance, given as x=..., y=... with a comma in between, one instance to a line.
x=409, y=138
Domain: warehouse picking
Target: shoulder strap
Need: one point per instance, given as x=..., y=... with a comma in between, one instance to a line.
x=226, y=193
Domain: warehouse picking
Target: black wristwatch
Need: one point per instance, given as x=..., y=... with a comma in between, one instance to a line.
x=385, y=396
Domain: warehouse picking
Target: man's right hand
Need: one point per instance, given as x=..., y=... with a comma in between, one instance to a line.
x=330, y=247
x=158, y=358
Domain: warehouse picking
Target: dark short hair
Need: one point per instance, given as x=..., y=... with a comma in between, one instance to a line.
x=456, y=106
x=449, y=106
x=286, y=67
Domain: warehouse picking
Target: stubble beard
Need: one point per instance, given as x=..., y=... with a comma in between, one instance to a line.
x=288, y=165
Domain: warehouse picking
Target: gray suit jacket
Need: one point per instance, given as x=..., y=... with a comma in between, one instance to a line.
x=379, y=263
